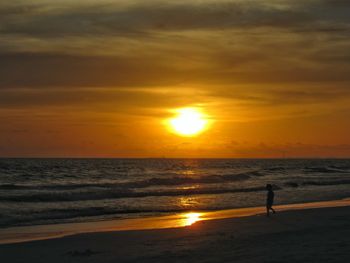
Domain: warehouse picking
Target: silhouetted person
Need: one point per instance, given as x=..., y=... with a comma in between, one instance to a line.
x=269, y=199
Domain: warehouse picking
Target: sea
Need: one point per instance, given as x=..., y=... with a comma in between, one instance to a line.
x=52, y=191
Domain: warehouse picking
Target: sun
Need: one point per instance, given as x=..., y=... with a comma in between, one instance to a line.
x=188, y=122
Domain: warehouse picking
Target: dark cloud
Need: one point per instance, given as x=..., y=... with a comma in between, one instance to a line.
x=282, y=95
x=307, y=96
x=58, y=70
x=11, y=11
x=248, y=49
x=138, y=20
x=18, y=70
x=113, y=100
x=150, y=102
x=337, y=3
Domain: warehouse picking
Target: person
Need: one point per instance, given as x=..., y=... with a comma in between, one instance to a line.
x=269, y=199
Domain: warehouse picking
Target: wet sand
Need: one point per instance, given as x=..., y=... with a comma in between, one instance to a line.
x=307, y=235
x=41, y=232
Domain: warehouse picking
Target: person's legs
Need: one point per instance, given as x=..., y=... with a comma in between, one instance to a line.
x=267, y=210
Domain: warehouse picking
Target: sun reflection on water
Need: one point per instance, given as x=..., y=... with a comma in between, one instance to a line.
x=191, y=218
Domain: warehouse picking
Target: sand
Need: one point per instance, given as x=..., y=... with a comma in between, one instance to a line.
x=309, y=235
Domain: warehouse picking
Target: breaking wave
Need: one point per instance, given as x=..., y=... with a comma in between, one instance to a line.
x=172, y=181
x=120, y=193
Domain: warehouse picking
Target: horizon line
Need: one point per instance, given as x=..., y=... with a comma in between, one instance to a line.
x=232, y=158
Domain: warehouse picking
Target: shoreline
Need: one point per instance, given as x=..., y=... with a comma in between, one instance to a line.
x=23, y=234
x=309, y=235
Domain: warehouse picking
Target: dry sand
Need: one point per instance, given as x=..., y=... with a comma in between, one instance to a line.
x=312, y=235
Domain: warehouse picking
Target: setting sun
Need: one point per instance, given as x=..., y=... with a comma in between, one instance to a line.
x=188, y=122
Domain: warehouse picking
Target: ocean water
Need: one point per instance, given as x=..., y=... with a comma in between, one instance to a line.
x=48, y=191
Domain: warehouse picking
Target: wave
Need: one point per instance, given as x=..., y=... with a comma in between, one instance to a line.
x=52, y=216
x=71, y=213
x=318, y=183
x=11, y=187
x=291, y=184
x=193, y=180
x=275, y=169
x=53, y=186
x=254, y=173
x=120, y=193
x=155, y=181
x=330, y=169
x=340, y=167
x=57, y=215
x=335, y=182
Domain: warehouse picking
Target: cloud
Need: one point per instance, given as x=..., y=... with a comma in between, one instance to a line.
x=136, y=20
x=155, y=43
x=337, y=3
x=35, y=70
x=60, y=70
x=279, y=94
x=145, y=101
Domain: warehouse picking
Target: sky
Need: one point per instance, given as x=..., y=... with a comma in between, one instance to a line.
x=99, y=78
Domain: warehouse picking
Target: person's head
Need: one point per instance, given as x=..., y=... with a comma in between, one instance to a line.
x=269, y=187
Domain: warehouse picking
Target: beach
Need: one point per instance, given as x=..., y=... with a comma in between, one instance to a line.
x=294, y=235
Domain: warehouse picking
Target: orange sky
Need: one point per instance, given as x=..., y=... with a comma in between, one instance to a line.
x=98, y=78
